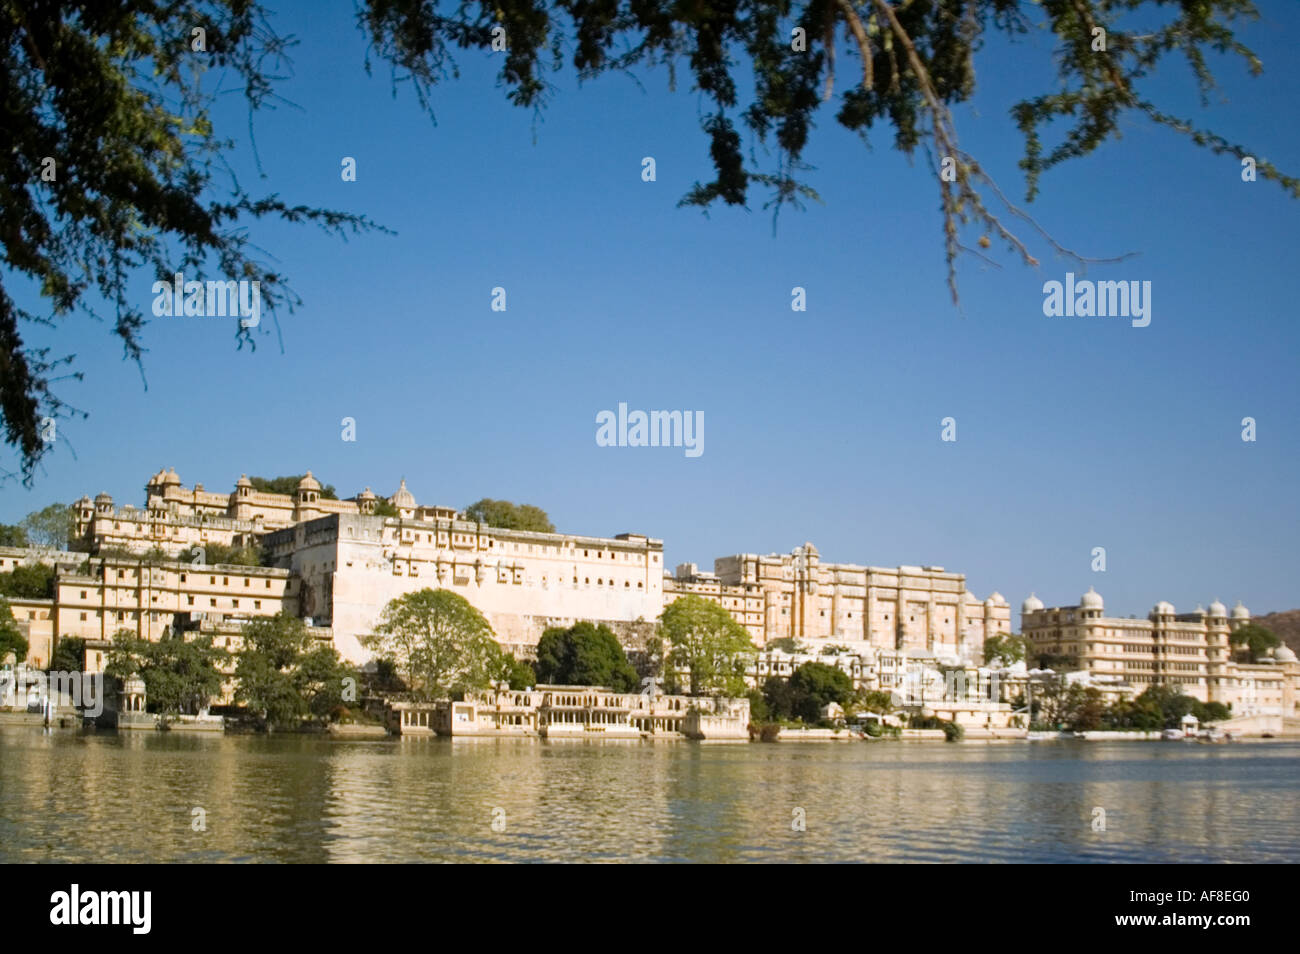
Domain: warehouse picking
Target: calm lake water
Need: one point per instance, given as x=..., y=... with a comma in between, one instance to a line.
x=97, y=797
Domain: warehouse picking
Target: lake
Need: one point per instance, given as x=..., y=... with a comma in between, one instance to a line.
x=132, y=797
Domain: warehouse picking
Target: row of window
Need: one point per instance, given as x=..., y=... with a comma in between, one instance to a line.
x=135, y=614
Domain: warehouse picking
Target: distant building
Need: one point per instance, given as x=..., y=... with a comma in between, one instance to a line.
x=339, y=563
x=1189, y=651
x=797, y=596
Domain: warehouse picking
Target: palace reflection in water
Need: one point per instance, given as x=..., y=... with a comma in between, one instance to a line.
x=131, y=797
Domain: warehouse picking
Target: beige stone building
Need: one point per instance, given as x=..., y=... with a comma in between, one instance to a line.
x=347, y=563
x=176, y=518
x=797, y=596
x=351, y=566
x=1190, y=651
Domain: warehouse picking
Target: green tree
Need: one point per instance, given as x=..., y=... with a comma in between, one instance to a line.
x=1253, y=642
x=180, y=675
x=215, y=554
x=781, y=700
x=268, y=692
x=815, y=685
x=1004, y=649
x=1165, y=705
x=439, y=642
x=69, y=655
x=288, y=485
x=1211, y=711
x=282, y=675
x=51, y=527
x=110, y=90
x=517, y=673
x=584, y=655
x=509, y=516
x=1057, y=662
x=11, y=640
x=321, y=681
x=384, y=508
x=706, y=642
x=12, y=536
x=873, y=700
x=32, y=581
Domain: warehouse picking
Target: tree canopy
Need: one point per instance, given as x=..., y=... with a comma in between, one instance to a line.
x=1004, y=649
x=282, y=677
x=115, y=164
x=69, y=655
x=288, y=485
x=33, y=581
x=11, y=640
x=50, y=527
x=1253, y=641
x=180, y=675
x=509, y=516
x=708, y=644
x=440, y=644
x=584, y=655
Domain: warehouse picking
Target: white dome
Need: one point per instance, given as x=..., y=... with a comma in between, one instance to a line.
x=308, y=482
x=1164, y=608
x=403, y=499
x=1031, y=605
x=998, y=598
x=1284, y=654
x=1091, y=600
x=1218, y=609
x=1240, y=612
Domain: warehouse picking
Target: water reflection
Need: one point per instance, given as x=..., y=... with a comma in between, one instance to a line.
x=131, y=797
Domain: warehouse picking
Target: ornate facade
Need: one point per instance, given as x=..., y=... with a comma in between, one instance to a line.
x=1190, y=651
x=795, y=595
x=341, y=564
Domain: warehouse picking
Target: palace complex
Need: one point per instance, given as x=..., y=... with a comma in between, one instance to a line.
x=1191, y=651
x=337, y=563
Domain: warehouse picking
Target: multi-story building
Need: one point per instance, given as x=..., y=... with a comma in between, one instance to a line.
x=1190, y=651
x=104, y=596
x=176, y=519
x=797, y=596
x=348, y=563
x=351, y=566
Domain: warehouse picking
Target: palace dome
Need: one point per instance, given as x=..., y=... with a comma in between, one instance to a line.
x=1240, y=612
x=1091, y=600
x=403, y=499
x=366, y=495
x=1164, y=608
x=308, y=482
x=1217, y=609
x=1284, y=654
x=997, y=599
x=243, y=481
x=171, y=478
x=1031, y=605
x=103, y=499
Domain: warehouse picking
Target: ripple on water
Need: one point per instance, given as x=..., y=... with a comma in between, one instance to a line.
x=104, y=797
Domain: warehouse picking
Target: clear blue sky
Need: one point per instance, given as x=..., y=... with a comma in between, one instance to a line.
x=822, y=426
